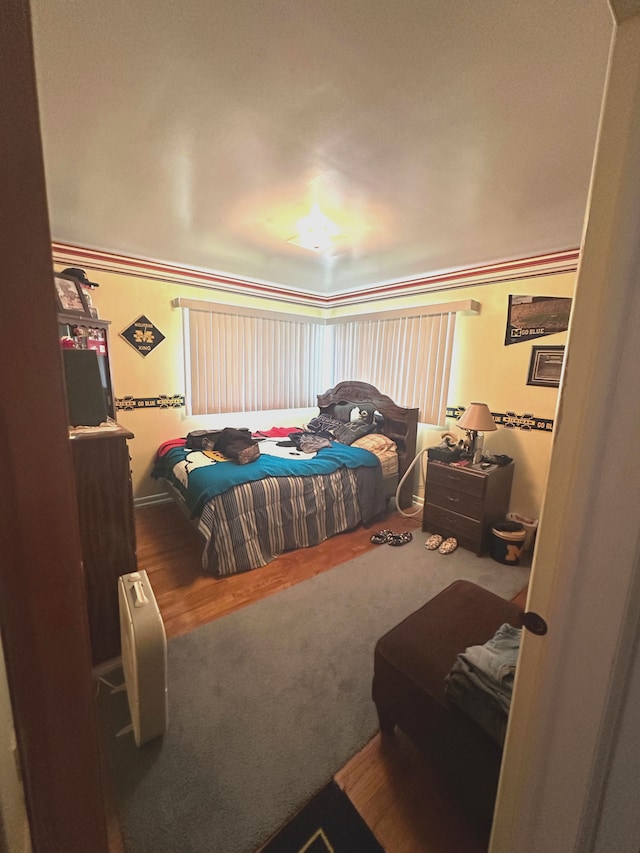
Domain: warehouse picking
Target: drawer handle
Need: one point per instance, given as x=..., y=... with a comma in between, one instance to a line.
x=453, y=500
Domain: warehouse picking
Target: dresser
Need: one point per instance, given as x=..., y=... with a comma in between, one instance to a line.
x=107, y=529
x=466, y=502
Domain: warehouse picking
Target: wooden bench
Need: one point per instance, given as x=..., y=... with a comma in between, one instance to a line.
x=411, y=663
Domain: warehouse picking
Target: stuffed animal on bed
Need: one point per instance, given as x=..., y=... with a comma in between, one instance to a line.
x=356, y=412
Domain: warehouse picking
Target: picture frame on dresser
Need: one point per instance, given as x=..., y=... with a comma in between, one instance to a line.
x=70, y=295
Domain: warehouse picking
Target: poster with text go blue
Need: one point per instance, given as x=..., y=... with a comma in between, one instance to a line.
x=532, y=317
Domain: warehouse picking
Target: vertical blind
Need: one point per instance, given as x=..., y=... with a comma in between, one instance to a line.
x=239, y=360
x=407, y=357
x=243, y=363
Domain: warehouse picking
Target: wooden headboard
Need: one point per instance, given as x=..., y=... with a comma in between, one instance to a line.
x=400, y=424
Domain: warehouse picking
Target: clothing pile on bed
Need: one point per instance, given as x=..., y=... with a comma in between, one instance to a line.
x=349, y=422
x=234, y=445
x=481, y=681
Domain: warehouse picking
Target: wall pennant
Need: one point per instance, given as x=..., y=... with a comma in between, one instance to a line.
x=142, y=335
x=532, y=317
x=164, y=401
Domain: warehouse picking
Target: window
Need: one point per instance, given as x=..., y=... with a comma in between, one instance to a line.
x=408, y=357
x=241, y=359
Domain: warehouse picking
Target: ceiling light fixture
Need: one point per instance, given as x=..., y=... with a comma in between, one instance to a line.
x=316, y=231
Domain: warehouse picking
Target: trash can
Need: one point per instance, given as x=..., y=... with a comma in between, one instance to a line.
x=506, y=542
x=530, y=525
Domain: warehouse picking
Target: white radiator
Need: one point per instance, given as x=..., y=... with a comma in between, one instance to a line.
x=144, y=656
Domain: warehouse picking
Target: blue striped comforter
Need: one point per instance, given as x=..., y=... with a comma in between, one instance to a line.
x=198, y=477
x=249, y=514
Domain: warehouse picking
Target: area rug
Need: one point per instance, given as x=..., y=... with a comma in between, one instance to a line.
x=266, y=704
x=329, y=823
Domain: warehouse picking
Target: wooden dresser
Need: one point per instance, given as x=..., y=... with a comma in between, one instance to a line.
x=107, y=530
x=466, y=502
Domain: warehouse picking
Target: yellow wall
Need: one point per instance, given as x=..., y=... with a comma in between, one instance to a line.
x=486, y=370
x=483, y=369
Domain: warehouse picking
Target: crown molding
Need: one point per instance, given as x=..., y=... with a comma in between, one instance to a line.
x=521, y=268
x=102, y=261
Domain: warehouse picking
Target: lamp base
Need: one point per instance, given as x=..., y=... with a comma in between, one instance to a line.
x=469, y=445
x=478, y=447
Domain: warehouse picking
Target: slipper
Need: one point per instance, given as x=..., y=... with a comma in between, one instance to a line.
x=448, y=546
x=433, y=542
x=381, y=537
x=400, y=538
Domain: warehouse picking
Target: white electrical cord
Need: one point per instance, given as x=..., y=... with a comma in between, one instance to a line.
x=404, y=477
x=115, y=688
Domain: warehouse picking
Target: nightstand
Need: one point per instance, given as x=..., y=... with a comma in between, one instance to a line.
x=466, y=502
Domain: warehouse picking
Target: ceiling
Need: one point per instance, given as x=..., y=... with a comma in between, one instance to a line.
x=437, y=135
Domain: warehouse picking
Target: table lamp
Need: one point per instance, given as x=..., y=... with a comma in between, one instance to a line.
x=476, y=419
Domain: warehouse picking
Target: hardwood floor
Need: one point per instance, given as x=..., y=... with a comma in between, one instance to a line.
x=170, y=550
x=395, y=790
x=403, y=801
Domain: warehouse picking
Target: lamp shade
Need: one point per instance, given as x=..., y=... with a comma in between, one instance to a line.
x=477, y=418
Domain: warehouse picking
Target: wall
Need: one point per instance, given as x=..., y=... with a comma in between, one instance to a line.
x=486, y=370
x=483, y=369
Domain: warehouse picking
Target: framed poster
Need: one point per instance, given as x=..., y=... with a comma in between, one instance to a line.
x=545, y=366
x=70, y=295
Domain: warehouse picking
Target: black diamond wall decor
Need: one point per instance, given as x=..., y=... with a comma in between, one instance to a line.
x=142, y=335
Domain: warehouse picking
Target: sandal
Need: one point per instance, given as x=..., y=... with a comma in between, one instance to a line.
x=381, y=537
x=433, y=542
x=448, y=546
x=400, y=538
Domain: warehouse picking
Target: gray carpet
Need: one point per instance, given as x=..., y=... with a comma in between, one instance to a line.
x=267, y=703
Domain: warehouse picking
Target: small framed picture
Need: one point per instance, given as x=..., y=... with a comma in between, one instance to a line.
x=70, y=295
x=546, y=366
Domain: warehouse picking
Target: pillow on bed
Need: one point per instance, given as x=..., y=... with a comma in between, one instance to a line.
x=375, y=442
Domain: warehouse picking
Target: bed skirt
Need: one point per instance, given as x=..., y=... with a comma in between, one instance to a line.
x=249, y=525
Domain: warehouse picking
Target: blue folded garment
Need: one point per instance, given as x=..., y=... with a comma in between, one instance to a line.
x=481, y=680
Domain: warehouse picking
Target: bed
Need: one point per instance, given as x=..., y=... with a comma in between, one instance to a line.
x=293, y=496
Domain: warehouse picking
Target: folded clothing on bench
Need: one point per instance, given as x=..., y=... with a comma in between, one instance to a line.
x=480, y=682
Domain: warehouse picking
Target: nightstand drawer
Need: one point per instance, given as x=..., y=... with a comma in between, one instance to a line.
x=465, y=502
x=456, y=479
x=448, y=523
x=455, y=501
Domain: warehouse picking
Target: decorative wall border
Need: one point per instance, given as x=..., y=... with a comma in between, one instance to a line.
x=510, y=420
x=520, y=268
x=163, y=401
